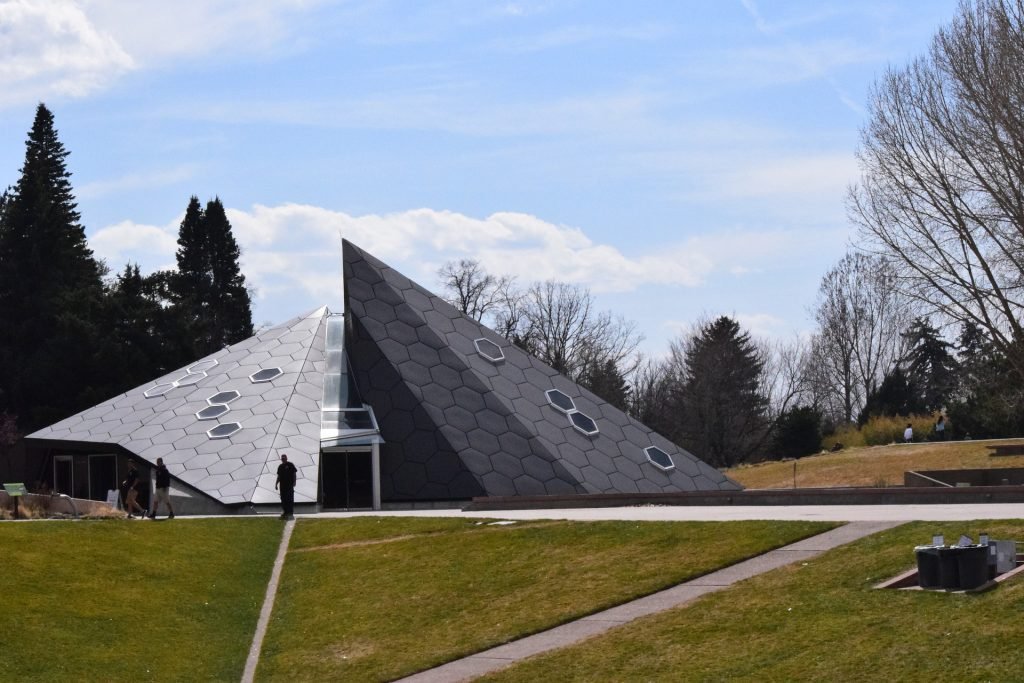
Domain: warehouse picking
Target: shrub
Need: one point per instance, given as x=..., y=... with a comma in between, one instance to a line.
x=847, y=434
x=882, y=430
x=797, y=433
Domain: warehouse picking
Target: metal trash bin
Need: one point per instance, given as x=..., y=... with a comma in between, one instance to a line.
x=927, y=566
x=972, y=565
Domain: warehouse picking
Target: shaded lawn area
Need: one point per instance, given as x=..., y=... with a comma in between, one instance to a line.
x=819, y=621
x=120, y=600
x=381, y=611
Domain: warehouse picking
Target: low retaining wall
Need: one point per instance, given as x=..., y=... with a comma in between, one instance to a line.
x=1000, y=476
x=837, y=496
x=54, y=505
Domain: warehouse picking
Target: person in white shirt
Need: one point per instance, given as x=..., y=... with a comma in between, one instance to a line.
x=908, y=434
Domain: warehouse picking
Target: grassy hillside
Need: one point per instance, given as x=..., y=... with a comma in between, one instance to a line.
x=819, y=620
x=132, y=601
x=874, y=465
x=373, y=600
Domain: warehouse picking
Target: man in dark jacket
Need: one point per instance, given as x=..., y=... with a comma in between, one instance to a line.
x=130, y=491
x=286, y=476
x=163, y=490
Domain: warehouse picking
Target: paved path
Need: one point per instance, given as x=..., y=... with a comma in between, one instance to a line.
x=724, y=513
x=576, y=631
x=268, y=604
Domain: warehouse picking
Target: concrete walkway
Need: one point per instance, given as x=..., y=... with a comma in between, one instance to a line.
x=577, y=631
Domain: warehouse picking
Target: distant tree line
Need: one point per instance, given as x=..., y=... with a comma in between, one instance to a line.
x=72, y=335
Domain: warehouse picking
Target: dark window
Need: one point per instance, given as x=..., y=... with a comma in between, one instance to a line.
x=223, y=397
x=223, y=431
x=489, y=350
x=212, y=412
x=659, y=458
x=560, y=400
x=264, y=375
x=583, y=423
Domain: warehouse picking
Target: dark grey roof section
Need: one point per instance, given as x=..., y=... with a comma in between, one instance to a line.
x=457, y=425
x=279, y=414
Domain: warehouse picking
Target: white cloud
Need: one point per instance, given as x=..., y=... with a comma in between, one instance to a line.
x=157, y=31
x=291, y=254
x=150, y=246
x=812, y=176
x=762, y=324
x=75, y=48
x=514, y=244
x=136, y=181
x=52, y=47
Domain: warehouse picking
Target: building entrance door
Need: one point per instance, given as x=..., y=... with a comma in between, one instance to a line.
x=102, y=475
x=346, y=480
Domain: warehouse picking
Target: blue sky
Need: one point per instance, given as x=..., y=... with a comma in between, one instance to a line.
x=680, y=158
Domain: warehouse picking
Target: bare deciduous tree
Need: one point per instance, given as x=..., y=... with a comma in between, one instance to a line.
x=783, y=377
x=555, y=321
x=861, y=318
x=942, y=172
x=471, y=289
x=561, y=327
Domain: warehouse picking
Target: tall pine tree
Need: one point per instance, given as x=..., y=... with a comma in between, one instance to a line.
x=208, y=291
x=931, y=367
x=51, y=290
x=723, y=407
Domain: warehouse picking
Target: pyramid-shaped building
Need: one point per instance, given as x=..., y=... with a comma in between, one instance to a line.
x=401, y=400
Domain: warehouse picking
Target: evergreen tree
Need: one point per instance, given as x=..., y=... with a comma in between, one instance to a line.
x=231, y=304
x=605, y=380
x=51, y=290
x=931, y=368
x=989, y=402
x=797, y=433
x=141, y=329
x=897, y=395
x=210, y=298
x=724, y=409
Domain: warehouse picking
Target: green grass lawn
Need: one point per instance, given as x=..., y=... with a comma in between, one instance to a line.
x=131, y=600
x=365, y=612
x=819, y=621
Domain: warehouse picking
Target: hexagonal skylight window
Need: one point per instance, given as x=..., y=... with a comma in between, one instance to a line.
x=264, y=375
x=189, y=380
x=559, y=400
x=212, y=412
x=489, y=350
x=158, y=390
x=202, y=366
x=659, y=458
x=223, y=431
x=582, y=423
x=224, y=397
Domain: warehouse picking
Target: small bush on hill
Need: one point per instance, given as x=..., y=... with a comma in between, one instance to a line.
x=848, y=435
x=882, y=430
x=797, y=433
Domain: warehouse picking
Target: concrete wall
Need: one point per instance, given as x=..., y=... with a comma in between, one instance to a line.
x=1006, y=476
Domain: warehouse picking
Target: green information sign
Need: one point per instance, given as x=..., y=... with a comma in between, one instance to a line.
x=15, y=490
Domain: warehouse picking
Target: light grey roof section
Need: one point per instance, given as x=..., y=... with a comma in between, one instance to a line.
x=278, y=416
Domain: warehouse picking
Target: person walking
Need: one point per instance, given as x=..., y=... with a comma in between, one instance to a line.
x=130, y=487
x=908, y=433
x=940, y=428
x=286, y=476
x=163, y=490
